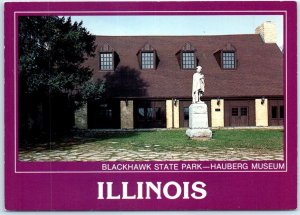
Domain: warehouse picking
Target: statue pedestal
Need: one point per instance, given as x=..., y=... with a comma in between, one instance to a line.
x=198, y=122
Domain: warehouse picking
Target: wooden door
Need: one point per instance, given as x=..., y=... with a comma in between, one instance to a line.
x=239, y=112
x=239, y=116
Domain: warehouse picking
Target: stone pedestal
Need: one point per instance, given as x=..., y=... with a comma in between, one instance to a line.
x=198, y=122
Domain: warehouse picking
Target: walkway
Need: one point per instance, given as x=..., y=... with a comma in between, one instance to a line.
x=94, y=152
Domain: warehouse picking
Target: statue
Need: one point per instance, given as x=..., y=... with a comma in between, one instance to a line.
x=198, y=85
x=198, y=114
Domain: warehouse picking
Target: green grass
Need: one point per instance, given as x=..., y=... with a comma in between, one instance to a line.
x=176, y=140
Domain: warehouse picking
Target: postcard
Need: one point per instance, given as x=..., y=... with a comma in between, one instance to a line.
x=150, y=106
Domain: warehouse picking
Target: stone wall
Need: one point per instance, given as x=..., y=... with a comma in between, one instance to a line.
x=126, y=109
x=81, y=121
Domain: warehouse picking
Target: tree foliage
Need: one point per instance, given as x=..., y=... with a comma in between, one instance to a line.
x=54, y=79
x=52, y=52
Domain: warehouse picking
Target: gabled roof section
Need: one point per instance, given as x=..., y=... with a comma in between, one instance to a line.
x=147, y=47
x=259, y=71
x=229, y=47
x=188, y=47
x=106, y=48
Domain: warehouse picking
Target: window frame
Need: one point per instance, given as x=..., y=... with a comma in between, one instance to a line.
x=182, y=64
x=113, y=61
x=154, y=60
x=222, y=60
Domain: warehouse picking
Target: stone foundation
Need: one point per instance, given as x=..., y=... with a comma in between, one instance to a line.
x=199, y=133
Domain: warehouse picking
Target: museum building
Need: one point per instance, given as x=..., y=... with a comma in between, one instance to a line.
x=148, y=80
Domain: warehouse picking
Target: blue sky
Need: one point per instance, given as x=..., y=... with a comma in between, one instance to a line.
x=178, y=25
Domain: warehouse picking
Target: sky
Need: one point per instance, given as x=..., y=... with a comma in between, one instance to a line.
x=179, y=25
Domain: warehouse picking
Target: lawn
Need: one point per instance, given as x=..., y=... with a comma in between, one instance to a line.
x=176, y=140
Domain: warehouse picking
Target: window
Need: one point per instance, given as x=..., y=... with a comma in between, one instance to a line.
x=141, y=113
x=228, y=59
x=281, y=112
x=244, y=111
x=158, y=113
x=106, y=61
x=188, y=60
x=105, y=114
x=150, y=113
x=186, y=113
x=274, y=112
x=234, y=111
x=277, y=112
x=147, y=60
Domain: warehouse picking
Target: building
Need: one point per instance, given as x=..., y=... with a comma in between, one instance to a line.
x=149, y=80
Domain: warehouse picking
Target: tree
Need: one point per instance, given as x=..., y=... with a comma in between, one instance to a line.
x=52, y=52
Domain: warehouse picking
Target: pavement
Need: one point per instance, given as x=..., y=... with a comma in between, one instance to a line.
x=93, y=152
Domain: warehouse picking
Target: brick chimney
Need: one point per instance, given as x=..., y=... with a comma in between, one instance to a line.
x=267, y=31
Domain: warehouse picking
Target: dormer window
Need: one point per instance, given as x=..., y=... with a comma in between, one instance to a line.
x=227, y=57
x=106, y=61
x=148, y=60
x=188, y=60
x=187, y=57
x=147, y=57
x=107, y=57
x=228, y=60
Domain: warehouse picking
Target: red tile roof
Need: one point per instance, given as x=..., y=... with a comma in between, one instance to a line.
x=259, y=71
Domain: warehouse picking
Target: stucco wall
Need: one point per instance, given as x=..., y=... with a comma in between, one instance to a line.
x=261, y=112
x=172, y=113
x=217, y=117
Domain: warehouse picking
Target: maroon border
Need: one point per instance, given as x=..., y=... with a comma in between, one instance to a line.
x=75, y=191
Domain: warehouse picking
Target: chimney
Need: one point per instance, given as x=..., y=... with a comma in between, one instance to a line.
x=267, y=31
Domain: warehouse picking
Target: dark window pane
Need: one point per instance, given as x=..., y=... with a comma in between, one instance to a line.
x=244, y=111
x=105, y=114
x=109, y=114
x=186, y=113
x=158, y=114
x=234, y=111
x=274, y=112
x=281, y=112
x=150, y=113
x=141, y=114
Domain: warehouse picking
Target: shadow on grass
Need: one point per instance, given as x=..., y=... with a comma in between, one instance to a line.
x=165, y=140
x=79, y=137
